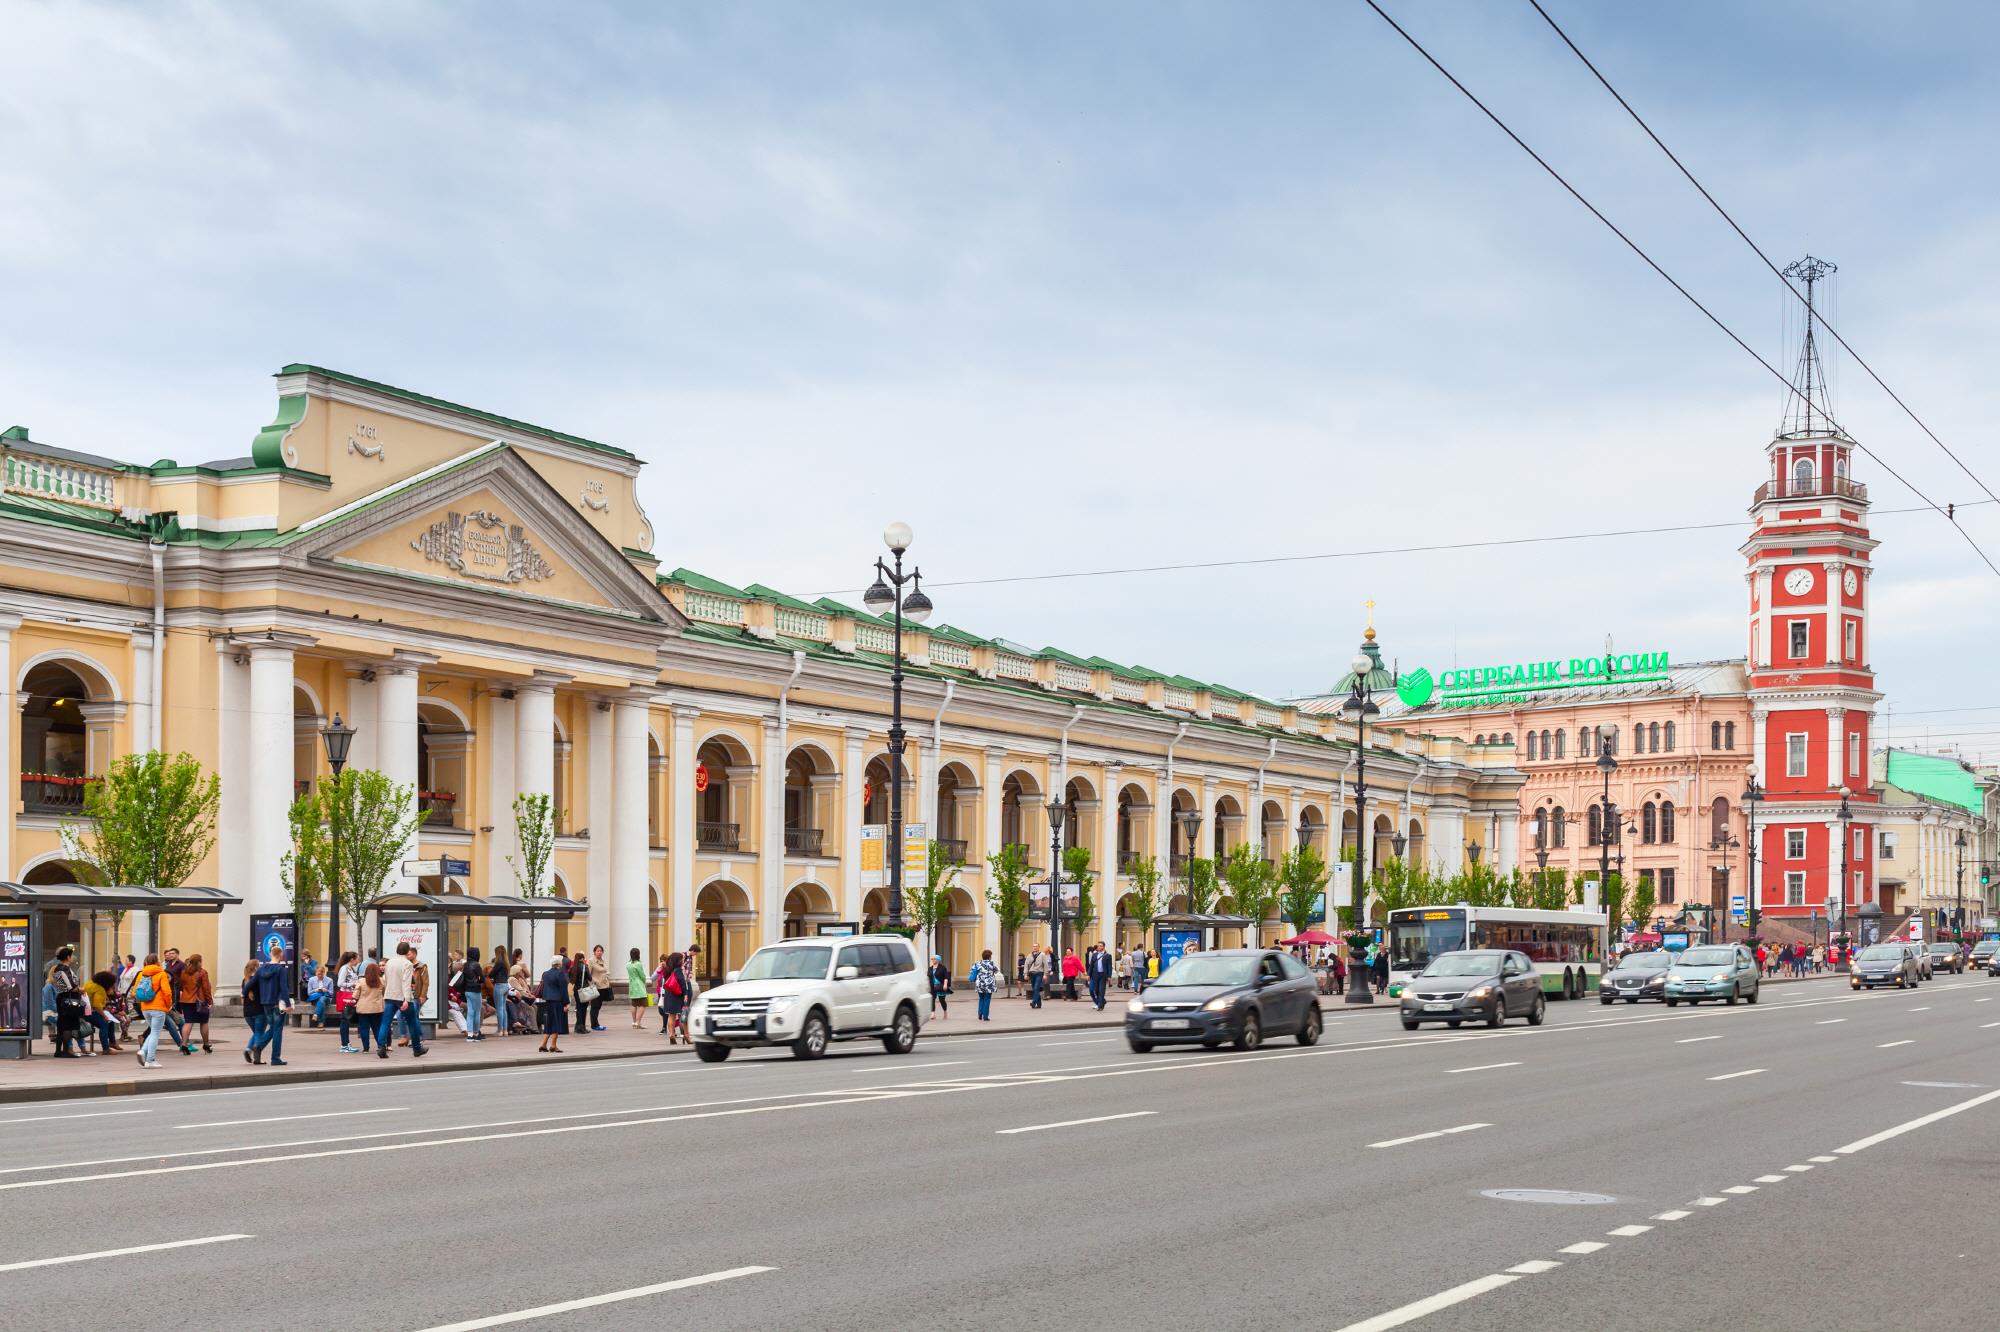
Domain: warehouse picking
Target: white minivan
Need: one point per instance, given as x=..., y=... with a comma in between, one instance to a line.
x=806, y=992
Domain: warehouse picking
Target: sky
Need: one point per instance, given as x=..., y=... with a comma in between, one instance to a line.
x=1068, y=288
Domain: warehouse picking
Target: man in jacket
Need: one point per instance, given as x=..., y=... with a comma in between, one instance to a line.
x=1100, y=974
x=273, y=985
x=1038, y=973
x=398, y=985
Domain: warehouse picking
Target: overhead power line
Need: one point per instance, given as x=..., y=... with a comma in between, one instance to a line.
x=1669, y=278
x=1811, y=311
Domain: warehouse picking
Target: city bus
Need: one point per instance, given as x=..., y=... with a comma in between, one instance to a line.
x=1567, y=947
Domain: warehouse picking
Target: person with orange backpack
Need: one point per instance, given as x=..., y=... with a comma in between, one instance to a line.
x=153, y=991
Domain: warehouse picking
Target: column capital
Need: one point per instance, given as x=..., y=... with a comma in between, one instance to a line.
x=686, y=712
x=855, y=735
x=9, y=622
x=996, y=753
x=272, y=642
x=408, y=659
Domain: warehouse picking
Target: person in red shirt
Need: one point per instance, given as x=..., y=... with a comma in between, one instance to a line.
x=1072, y=967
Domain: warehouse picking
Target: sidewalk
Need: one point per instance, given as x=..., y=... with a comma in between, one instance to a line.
x=314, y=1055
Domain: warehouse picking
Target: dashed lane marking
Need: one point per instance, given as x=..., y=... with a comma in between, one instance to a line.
x=1627, y=1232
x=1798, y=1169
x=1925, y=1009
x=1772, y=1179
x=1724, y=1077
x=615, y=1297
x=1710, y=1202
x=92, y=1114
x=1741, y=1188
x=286, y=1119
x=1862, y=1144
x=121, y=1253
x=1828, y=1022
x=1072, y=1123
x=1677, y=1215
x=1431, y=1304
x=1481, y=1068
x=1691, y=1040
x=1584, y=1246
x=1435, y=1133
x=1535, y=1267
x=1890, y=1045
x=1822, y=1160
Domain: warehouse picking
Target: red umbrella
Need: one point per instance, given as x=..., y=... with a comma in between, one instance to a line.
x=1308, y=937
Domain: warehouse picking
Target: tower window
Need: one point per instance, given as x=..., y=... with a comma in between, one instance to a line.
x=1715, y=735
x=1848, y=635
x=1795, y=754
x=1801, y=634
x=1802, y=477
x=1854, y=753
x=1795, y=844
x=1534, y=746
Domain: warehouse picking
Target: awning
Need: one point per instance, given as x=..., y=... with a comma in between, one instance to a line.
x=1189, y=920
x=504, y=905
x=132, y=897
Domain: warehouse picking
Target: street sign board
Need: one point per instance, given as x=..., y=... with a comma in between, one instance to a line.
x=461, y=868
x=423, y=869
x=1343, y=884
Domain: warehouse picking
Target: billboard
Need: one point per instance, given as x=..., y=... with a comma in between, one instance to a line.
x=14, y=992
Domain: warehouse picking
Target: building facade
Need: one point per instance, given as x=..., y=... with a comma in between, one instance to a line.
x=480, y=599
x=1935, y=840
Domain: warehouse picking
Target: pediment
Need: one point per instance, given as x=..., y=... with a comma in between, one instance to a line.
x=490, y=524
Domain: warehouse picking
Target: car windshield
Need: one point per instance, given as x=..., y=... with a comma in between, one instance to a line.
x=786, y=964
x=1204, y=969
x=1707, y=957
x=1464, y=964
x=1646, y=962
x=1942, y=949
x=1882, y=953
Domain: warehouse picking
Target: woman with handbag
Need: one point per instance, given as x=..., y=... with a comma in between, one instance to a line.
x=671, y=987
x=195, y=993
x=579, y=982
x=557, y=982
x=371, y=996
x=600, y=981
x=940, y=976
x=496, y=985
x=346, y=979
x=471, y=986
x=635, y=986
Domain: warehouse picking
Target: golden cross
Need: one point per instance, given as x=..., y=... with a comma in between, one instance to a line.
x=1370, y=604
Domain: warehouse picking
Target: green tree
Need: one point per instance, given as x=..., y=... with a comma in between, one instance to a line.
x=1076, y=864
x=308, y=870
x=1202, y=887
x=1007, y=897
x=535, y=820
x=1145, y=903
x=1253, y=882
x=929, y=903
x=1302, y=879
x=1644, y=899
x=1550, y=891
x=377, y=822
x=1612, y=901
x=148, y=822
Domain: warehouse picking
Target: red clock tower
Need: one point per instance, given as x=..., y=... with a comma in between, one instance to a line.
x=1812, y=693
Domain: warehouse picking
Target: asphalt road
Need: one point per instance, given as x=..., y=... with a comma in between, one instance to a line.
x=1056, y=1177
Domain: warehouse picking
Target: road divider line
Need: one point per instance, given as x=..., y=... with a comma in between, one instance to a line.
x=1627, y=1232
x=1095, y=1040
x=1694, y=1040
x=1921, y=1121
x=1741, y=1188
x=89, y=1114
x=1677, y=1215
x=1925, y=1009
x=1435, y=1133
x=1822, y=1160
x=1072, y=1123
x=1987, y=1000
x=1584, y=1246
x=1481, y=1068
x=1431, y=1304
x=1724, y=1077
x=1710, y=1202
x=286, y=1119
x=1798, y=1169
x=1772, y=1179
x=1828, y=1022
x=1890, y=1045
x=1534, y=1267
x=1984, y=1025
x=121, y=1253
x=593, y=1301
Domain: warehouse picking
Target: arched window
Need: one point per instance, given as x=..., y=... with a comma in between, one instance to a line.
x=1653, y=737
x=1729, y=735
x=1802, y=476
x=1478, y=739
x=1715, y=735
x=1667, y=821
x=1507, y=739
x=1559, y=826
x=1719, y=820
x=1593, y=829
x=1562, y=738
x=1541, y=828
x=1584, y=735
x=1649, y=822
x=1670, y=737
x=1534, y=746
x=1607, y=739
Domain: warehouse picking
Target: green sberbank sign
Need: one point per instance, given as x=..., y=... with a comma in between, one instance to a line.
x=1485, y=686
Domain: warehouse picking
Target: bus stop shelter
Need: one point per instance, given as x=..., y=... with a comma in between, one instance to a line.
x=436, y=924
x=1174, y=931
x=34, y=923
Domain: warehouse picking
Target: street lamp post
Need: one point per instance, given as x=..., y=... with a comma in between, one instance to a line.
x=1958, y=924
x=1725, y=844
x=1056, y=821
x=1753, y=796
x=338, y=737
x=1846, y=843
x=1361, y=707
x=1607, y=819
x=887, y=590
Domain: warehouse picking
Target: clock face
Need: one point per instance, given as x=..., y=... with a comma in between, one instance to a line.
x=1852, y=582
x=1799, y=582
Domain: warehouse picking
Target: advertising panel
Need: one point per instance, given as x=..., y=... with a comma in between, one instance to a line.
x=14, y=1013
x=426, y=940
x=1175, y=942
x=284, y=932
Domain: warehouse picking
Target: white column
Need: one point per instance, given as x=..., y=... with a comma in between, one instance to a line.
x=1163, y=829
x=771, y=835
x=680, y=842
x=1506, y=841
x=10, y=777
x=1831, y=577
x=989, y=832
x=365, y=750
x=1759, y=756
x=269, y=797
x=232, y=771
x=852, y=778
x=535, y=767
x=143, y=701
x=498, y=795
x=1836, y=748
x=395, y=704
x=630, y=856
x=598, y=802
x=1104, y=856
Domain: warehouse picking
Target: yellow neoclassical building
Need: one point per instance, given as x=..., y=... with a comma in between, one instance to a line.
x=480, y=599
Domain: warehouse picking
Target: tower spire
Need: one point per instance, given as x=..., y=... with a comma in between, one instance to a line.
x=1806, y=410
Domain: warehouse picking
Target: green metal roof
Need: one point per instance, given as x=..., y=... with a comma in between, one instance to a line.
x=1933, y=775
x=299, y=368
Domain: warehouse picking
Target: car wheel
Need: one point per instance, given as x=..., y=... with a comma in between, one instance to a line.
x=1140, y=1047
x=1673, y=1003
x=902, y=1037
x=1751, y=997
x=1452, y=1023
x=1604, y=999
x=1252, y=1034
x=1499, y=1014
x=710, y=1052
x=811, y=1043
x=1309, y=1029
x=1632, y=1001
x=1411, y=1024
x=1540, y=1010
x=1735, y=993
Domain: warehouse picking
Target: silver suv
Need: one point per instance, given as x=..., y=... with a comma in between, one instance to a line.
x=806, y=992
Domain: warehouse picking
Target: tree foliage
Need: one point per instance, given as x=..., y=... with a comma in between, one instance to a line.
x=149, y=821
x=1302, y=878
x=374, y=821
x=1076, y=864
x=1644, y=899
x=1253, y=883
x=1007, y=897
x=1612, y=901
x=929, y=903
x=1202, y=886
x=535, y=820
x=1145, y=903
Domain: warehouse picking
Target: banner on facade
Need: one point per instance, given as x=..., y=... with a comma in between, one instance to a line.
x=874, y=855
x=1343, y=883
x=14, y=977
x=916, y=852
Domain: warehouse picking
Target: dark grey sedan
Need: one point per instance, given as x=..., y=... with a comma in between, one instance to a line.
x=1884, y=964
x=1240, y=995
x=1637, y=976
x=1486, y=985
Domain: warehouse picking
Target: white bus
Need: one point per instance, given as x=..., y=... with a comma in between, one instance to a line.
x=1567, y=947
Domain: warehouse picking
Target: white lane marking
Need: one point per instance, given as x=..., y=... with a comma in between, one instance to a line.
x=1676, y=1215
x=1584, y=1246
x=1861, y=1144
x=1435, y=1133
x=1741, y=1188
x=1696, y=1039
x=1095, y=1040
x=1890, y=1045
x=1984, y=1025
x=286, y=1119
x=1481, y=1068
x=1772, y=1179
x=1798, y=1169
x=1072, y=1123
x=121, y=1253
x=1828, y=1022
x=752, y=1063
x=1925, y=1009
x=1627, y=1232
x=1822, y=1160
x=1987, y=1000
x=1535, y=1266
x=1710, y=1202
x=1430, y=1304
x=615, y=1297
x=1724, y=1077
x=91, y=1114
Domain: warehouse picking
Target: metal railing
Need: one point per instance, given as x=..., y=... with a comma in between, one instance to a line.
x=717, y=836
x=438, y=810
x=1820, y=487
x=956, y=848
x=45, y=793
x=804, y=841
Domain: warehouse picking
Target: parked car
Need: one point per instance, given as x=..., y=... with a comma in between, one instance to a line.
x=1985, y=953
x=1238, y=995
x=1885, y=964
x=806, y=992
x=1713, y=971
x=1637, y=976
x=1488, y=985
x=1947, y=956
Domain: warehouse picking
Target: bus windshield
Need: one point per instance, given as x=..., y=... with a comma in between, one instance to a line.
x=1416, y=939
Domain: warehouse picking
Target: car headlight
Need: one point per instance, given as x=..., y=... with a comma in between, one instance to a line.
x=783, y=1002
x=1483, y=992
x=1135, y=1006
x=1220, y=1004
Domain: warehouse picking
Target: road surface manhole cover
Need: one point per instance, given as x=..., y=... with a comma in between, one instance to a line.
x=1564, y=1196
x=1967, y=1085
